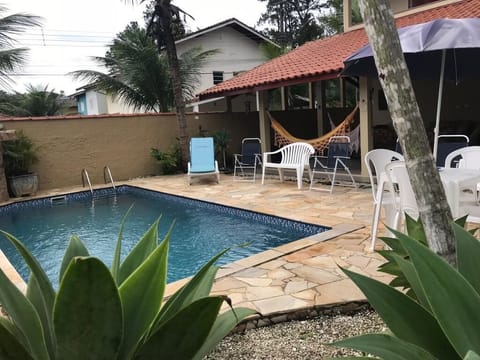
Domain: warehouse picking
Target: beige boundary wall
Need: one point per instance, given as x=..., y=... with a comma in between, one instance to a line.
x=66, y=145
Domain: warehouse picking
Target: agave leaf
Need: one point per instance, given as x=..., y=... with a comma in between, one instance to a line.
x=224, y=324
x=88, y=313
x=413, y=324
x=198, y=287
x=386, y=347
x=390, y=267
x=143, y=290
x=453, y=301
x=412, y=278
x=118, y=248
x=471, y=355
x=10, y=347
x=183, y=334
x=415, y=229
x=468, y=252
x=395, y=245
x=43, y=282
x=75, y=248
x=24, y=316
x=35, y=296
x=140, y=252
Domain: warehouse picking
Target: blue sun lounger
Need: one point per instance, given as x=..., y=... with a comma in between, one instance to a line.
x=202, y=159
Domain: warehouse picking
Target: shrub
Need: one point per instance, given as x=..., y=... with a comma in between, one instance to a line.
x=437, y=314
x=170, y=160
x=19, y=155
x=117, y=313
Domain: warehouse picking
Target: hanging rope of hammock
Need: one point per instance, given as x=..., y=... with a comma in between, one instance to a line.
x=283, y=137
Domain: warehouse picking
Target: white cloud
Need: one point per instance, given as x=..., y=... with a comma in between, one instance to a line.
x=75, y=31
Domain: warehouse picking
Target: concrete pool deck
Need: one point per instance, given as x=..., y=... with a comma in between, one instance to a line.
x=300, y=276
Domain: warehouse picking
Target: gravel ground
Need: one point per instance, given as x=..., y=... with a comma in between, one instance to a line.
x=300, y=340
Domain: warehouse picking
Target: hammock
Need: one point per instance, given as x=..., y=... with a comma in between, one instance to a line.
x=283, y=137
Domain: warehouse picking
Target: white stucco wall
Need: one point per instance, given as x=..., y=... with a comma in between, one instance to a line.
x=96, y=103
x=237, y=53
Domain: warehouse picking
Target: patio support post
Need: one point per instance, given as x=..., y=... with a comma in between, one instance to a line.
x=283, y=98
x=263, y=120
x=319, y=100
x=366, y=136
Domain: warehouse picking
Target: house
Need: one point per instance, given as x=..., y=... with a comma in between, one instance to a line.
x=316, y=66
x=238, y=50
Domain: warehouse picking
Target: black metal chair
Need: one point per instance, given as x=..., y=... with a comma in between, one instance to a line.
x=245, y=164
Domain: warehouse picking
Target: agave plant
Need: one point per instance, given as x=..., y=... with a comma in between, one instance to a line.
x=117, y=313
x=437, y=314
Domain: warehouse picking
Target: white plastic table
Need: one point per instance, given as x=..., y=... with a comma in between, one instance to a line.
x=454, y=180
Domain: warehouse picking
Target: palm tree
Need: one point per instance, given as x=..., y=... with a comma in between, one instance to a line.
x=12, y=58
x=37, y=101
x=161, y=26
x=139, y=75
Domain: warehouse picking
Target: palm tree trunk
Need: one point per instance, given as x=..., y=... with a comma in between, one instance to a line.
x=165, y=18
x=407, y=120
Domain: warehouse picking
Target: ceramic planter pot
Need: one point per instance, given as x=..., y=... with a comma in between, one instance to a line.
x=23, y=185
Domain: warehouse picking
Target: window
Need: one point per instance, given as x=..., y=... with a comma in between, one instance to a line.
x=217, y=77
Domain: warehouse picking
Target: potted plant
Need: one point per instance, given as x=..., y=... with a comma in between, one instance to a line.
x=18, y=157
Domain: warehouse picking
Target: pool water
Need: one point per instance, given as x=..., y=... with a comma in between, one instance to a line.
x=201, y=229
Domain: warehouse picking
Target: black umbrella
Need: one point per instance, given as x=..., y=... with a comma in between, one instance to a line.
x=444, y=48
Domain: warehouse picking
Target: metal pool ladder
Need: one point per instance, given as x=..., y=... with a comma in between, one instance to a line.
x=107, y=175
x=86, y=179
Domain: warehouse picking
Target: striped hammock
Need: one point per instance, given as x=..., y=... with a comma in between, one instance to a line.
x=283, y=137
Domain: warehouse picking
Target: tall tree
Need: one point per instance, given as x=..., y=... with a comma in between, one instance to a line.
x=407, y=120
x=11, y=58
x=139, y=75
x=332, y=18
x=293, y=22
x=161, y=26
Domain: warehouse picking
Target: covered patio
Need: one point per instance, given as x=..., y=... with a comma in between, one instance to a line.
x=312, y=71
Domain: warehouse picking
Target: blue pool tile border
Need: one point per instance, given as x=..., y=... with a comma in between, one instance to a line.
x=302, y=227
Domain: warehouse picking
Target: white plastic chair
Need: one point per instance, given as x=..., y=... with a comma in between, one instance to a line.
x=336, y=159
x=376, y=160
x=467, y=158
x=295, y=156
x=400, y=182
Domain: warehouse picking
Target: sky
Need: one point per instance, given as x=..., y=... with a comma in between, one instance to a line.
x=73, y=32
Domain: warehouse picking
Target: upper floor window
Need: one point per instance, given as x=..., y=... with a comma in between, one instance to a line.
x=217, y=77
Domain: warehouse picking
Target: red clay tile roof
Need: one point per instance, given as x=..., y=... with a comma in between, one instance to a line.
x=323, y=59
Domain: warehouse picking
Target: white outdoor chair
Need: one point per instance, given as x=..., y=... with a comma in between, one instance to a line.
x=294, y=156
x=376, y=160
x=467, y=158
x=336, y=159
x=399, y=182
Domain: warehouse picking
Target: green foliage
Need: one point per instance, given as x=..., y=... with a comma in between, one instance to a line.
x=19, y=155
x=438, y=316
x=117, y=313
x=12, y=58
x=170, y=161
x=221, y=140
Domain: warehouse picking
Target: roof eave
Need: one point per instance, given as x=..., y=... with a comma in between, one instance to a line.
x=272, y=85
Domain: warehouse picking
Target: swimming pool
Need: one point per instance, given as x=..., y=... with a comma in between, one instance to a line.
x=201, y=229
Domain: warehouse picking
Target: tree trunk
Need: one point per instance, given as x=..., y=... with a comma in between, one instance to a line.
x=3, y=180
x=407, y=120
x=165, y=18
